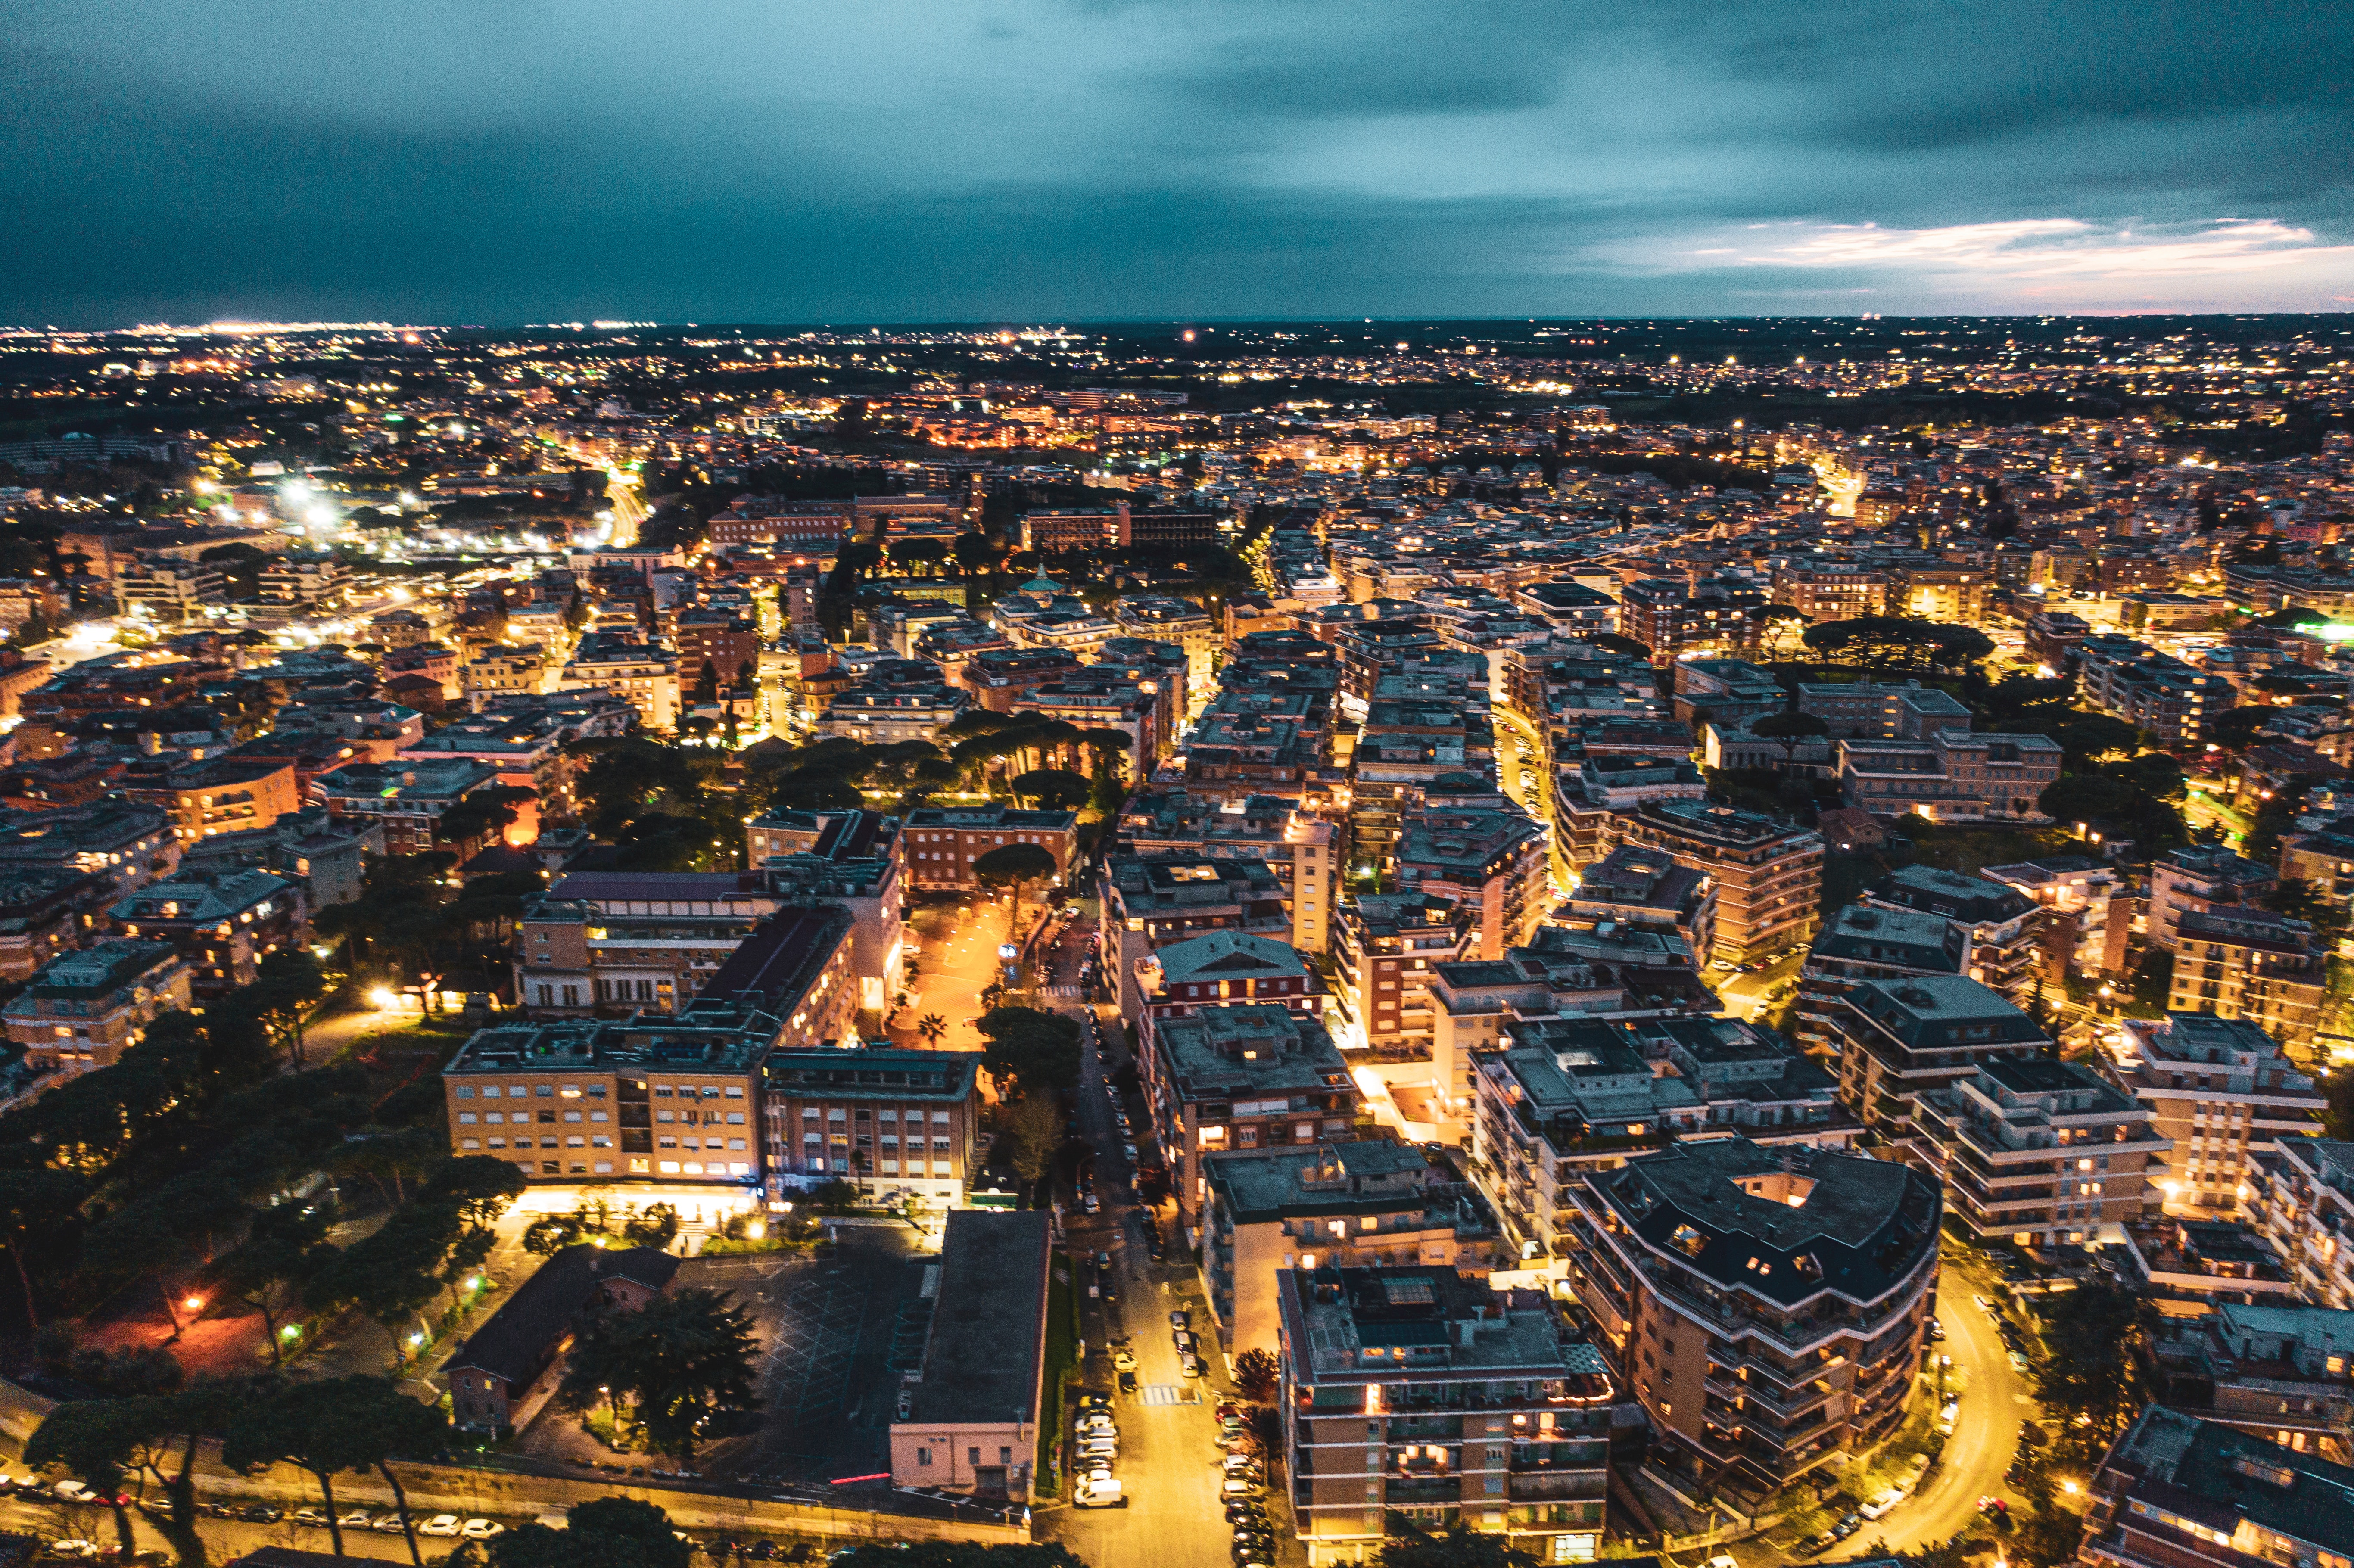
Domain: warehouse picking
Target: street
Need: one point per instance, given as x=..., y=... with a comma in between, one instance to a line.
x=1168, y=1458
x=1986, y=1432
x=1744, y=996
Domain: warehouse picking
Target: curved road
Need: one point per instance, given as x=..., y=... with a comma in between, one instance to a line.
x=1986, y=1433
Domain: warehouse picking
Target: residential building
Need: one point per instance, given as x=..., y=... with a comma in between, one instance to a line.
x=407, y=799
x=2005, y=926
x=46, y=910
x=2088, y=910
x=1643, y=889
x=2177, y=1492
x=503, y=1373
x=1420, y=1393
x=83, y=1008
x=650, y=1099
x=2301, y=1197
x=1898, y=1039
x=1300, y=848
x=2222, y=1090
x=1239, y=1076
x=2252, y=964
x=1950, y=775
x=222, y=924
x=223, y=795
x=328, y=858
x=1492, y=865
x=901, y=1124
x=2153, y=691
x=1384, y=950
x=2273, y=1368
x=642, y=674
x=1768, y=1306
x=1563, y=1096
x=1150, y=902
x=504, y=672
x=1768, y=875
x=1373, y=1203
x=977, y=1399
x=851, y=858
x=2041, y=1153
x=2200, y=879
x=1165, y=618
x=879, y=715
x=944, y=841
x=1861, y=941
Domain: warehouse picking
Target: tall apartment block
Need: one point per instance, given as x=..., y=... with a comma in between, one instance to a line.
x=2042, y=1152
x=1768, y=1306
x=2221, y=1089
x=1769, y=875
x=1420, y=1393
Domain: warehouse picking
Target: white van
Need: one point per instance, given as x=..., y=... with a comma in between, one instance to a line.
x=1882, y=1503
x=1092, y=1493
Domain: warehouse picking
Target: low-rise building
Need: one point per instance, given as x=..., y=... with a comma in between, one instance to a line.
x=644, y=675
x=2040, y=1152
x=2222, y=1090
x=2177, y=1492
x=977, y=1399
x=944, y=841
x=503, y=1373
x=611, y=944
x=1420, y=1393
x=83, y=1008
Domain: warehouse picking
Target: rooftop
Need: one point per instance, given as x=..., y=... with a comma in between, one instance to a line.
x=981, y=1356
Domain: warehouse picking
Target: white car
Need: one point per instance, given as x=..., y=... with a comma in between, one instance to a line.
x=83, y=1549
x=440, y=1524
x=358, y=1519
x=482, y=1528
x=72, y=1491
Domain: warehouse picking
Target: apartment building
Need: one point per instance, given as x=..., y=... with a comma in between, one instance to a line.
x=1241, y=1076
x=2004, y=925
x=1823, y=589
x=2301, y=1199
x=880, y=715
x=1164, y=617
x=1768, y=1306
x=1863, y=942
x=1373, y=1203
x=619, y=943
x=2252, y=964
x=1492, y=865
x=222, y=795
x=1768, y=875
x=83, y=1008
x=405, y=798
x=854, y=859
x=1898, y=1039
x=1385, y=948
x=46, y=910
x=1949, y=775
x=652, y=1100
x=1419, y=1392
x=2040, y=1152
x=503, y=670
x=2178, y=1491
x=1642, y=889
x=2200, y=879
x=1301, y=849
x=1563, y=1096
x=944, y=841
x=1404, y=747
x=900, y=1124
x=222, y=924
x=2156, y=692
x=2222, y=1090
x=643, y=675
x=2242, y=1363
x=1153, y=901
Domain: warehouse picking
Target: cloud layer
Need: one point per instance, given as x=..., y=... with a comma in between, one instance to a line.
x=780, y=160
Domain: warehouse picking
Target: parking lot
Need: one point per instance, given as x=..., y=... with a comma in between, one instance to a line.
x=836, y=1327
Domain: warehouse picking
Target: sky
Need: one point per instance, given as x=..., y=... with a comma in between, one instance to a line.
x=454, y=161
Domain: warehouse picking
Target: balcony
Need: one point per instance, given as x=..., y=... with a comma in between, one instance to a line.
x=1402, y=1490
x=1557, y=1485
x=1425, y=1429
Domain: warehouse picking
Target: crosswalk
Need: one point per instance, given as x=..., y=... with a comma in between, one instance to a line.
x=1168, y=1394
x=1064, y=990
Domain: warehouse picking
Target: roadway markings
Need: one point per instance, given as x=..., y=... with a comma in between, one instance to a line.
x=1167, y=1393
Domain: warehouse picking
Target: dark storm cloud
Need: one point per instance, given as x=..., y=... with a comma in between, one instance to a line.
x=178, y=159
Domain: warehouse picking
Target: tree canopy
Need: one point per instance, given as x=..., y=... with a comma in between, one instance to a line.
x=1028, y=1050
x=1897, y=643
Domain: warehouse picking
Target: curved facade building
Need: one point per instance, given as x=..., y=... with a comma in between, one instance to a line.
x=1768, y=1306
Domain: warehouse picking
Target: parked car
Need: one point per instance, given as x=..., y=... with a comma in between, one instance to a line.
x=263, y=1514
x=1181, y=1320
x=1123, y=1360
x=356, y=1519
x=1128, y=1382
x=1184, y=1340
x=1190, y=1364
x=440, y=1524
x=310, y=1516
x=2018, y=1362
x=482, y=1528
x=70, y=1490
